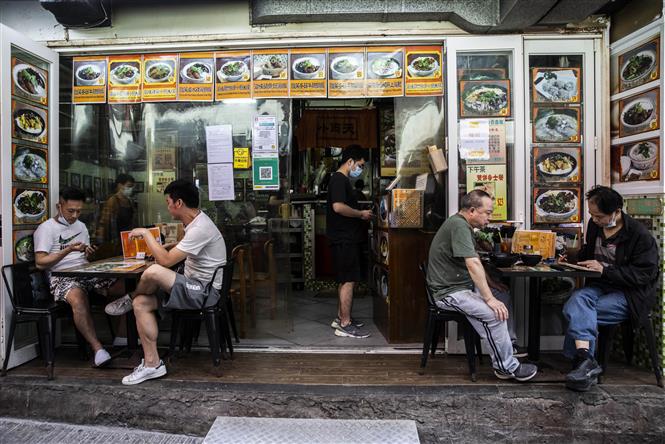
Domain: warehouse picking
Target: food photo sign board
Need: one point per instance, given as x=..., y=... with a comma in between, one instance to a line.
x=24, y=245
x=29, y=82
x=195, y=77
x=233, y=79
x=308, y=72
x=636, y=161
x=635, y=66
x=385, y=69
x=484, y=98
x=556, y=165
x=124, y=79
x=29, y=206
x=89, y=80
x=347, y=72
x=424, y=71
x=555, y=85
x=556, y=205
x=636, y=114
x=29, y=122
x=491, y=179
x=160, y=79
x=556, y=125
x=270, y=73
x=29, y=164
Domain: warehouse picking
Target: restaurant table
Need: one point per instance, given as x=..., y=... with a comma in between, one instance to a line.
x=535, y=274
x=113, y=268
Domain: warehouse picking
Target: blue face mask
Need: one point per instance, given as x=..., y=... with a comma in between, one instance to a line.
x=356, y=171
x=613, y=222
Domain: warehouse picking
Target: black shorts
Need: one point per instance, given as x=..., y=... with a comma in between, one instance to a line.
x=347, y=262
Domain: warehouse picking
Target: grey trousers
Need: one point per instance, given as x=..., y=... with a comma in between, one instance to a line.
x=484, y=321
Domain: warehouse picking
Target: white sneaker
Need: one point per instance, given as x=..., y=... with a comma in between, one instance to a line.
x=119, y=307
x=101, y=357
x=143, y=373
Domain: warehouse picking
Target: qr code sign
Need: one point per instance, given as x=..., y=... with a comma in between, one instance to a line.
x=265, y=173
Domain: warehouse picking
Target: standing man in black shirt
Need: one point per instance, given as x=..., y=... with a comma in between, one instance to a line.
x=346, y=230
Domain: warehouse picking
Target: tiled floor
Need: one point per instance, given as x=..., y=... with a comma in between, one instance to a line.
x=305, y=322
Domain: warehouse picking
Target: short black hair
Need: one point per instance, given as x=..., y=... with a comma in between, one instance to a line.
x=185, y=190
x=355, y=152
x=606, y=199
x=123, y=178
x=473, y=199
x=72, y=193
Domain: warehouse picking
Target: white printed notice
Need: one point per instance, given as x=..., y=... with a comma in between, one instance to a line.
x=220, y=182
x=219, y=143
x=474, y=139
x=264, y=134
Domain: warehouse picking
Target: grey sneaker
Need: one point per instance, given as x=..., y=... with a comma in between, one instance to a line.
x=335, y=323
x=351, y=331
x=143, y=373
x=119, y=307
x=522, y=373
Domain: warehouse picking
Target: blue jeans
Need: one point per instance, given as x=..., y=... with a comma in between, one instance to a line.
x=587, y=308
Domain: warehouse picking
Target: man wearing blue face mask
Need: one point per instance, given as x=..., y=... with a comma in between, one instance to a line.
x=346, y=230
x=63, y=242
x=627, y=256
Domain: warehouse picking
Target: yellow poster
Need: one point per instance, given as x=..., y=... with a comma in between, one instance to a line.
x=492, y=179
x=346, y=72
x=159, y=78
x=89, y=80
x=125, y=79
x=424, y=71
x=385, y=69
x=195, y=72
x=233, y=75
x=241, y=159
x=270, y=73
x=308, y=72
x=160, y=179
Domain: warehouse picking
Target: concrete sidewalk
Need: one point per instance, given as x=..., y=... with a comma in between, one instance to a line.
x=32, y=432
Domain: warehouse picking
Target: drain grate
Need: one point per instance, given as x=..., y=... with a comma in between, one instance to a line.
x=231, y=430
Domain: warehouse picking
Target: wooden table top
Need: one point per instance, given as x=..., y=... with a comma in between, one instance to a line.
x=544, y=270
x=116, y=267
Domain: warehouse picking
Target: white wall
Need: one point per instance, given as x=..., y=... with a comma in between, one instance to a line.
x=228, y=18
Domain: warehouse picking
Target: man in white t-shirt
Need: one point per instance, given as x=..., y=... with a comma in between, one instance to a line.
x=63, y=242
x=203, y=250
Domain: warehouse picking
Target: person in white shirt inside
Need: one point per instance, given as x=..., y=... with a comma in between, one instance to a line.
x=63, y=242
x=203, y=250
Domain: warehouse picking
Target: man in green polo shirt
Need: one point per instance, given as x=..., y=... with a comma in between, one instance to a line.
x=457, y=279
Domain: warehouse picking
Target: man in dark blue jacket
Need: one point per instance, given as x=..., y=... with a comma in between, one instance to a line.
x=627, y=256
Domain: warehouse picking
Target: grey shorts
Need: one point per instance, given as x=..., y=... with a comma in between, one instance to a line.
x=188, y=294
x=60, y=286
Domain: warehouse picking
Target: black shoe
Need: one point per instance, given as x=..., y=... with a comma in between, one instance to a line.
x=584, y=376
x=522, y=373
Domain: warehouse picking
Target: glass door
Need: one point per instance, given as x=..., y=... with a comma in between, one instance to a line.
x=29, y=162
x=486, y=148
x=561, y=135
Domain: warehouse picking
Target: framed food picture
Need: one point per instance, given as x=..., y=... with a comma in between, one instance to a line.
x=481, y=74
x=484, y=98
x=29, y=82
x=555, y=85
x=556, y=125
x=24, y=247
x=29, y=122
x=75, y=180
x=639, y=65
x=636, y=161
x=29, y=206
x=560, y=164
x=29, y=164
x=556, y=205
x=636, y=114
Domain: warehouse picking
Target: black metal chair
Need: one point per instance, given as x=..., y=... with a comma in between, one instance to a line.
x=436, y=320
x=31, y=301
x=605, y=338
x=216, y=318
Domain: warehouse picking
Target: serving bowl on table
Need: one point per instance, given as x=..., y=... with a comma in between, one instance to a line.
x=504, y=260
x=531, y=259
